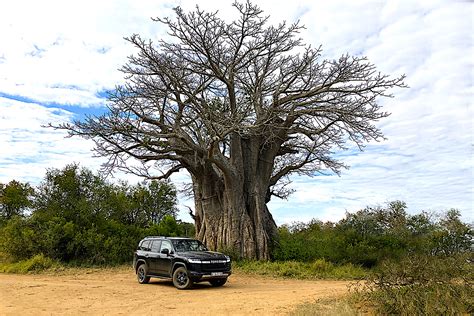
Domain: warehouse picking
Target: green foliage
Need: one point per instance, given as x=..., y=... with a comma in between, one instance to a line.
x=72, y=194
x=144, y=204
x=15, y=199
x=318, y=269
x=109, y=243
x=233, y=253
x=77, y=195
x=167, y=227
x=373, y=234
x=113, y=243
x=17, y=239
x=454, y=237
x=77, y=217
x=35, y=264
x=422, y=285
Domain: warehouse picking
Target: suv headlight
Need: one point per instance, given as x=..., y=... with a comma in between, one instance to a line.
x=227, y=258
x=194, y=260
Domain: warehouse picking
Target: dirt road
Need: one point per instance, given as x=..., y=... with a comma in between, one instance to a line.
x=117, y=292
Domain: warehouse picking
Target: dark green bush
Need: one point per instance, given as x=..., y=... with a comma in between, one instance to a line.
x=372, y=235
x=18, y=239
x=421, y=285
x=35, y=264
x=78, y=217
x=318, y=269
x=108, y=242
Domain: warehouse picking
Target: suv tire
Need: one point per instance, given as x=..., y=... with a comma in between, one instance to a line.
x=218, y=282
x=142, y=272
x=181, y=279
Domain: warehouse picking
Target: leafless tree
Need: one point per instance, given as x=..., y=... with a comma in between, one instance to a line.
x=241, y=106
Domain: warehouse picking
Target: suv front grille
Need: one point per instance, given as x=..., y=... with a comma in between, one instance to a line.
x=215, y=267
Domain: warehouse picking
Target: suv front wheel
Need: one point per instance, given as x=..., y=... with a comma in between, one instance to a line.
x=181, y=279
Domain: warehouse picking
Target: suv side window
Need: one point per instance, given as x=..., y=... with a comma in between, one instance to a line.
x=155, y=246
x=145, y=245
x=166, y=244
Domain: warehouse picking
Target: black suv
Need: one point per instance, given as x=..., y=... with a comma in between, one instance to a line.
x=185, y=260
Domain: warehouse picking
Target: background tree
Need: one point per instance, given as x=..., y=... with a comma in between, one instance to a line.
x=77, y=216
x=241, y=106
x=143, y=204
x=454, y=236
x=78, y=195
x=155, y=200
x=15, y=199
x=74, y=194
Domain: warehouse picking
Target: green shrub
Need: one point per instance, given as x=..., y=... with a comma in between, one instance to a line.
x=319, y=269
x=78, y=217
x=35, y=264
x=233, y=253
x=18, y=239
x=107, y=242
x=321, y=266
x=372, y=235
x=349, y=271
x=421, y=285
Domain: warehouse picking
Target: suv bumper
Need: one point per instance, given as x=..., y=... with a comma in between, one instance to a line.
x=209, y=275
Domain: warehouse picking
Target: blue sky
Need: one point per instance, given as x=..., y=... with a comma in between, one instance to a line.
x=57, y=58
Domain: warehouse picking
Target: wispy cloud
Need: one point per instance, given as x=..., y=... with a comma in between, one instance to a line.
x=66, y=52
x=27, y=149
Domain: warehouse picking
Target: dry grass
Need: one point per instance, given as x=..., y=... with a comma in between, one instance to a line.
x=328, y=307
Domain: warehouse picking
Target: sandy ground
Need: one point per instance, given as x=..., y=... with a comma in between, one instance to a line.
x=117, y=292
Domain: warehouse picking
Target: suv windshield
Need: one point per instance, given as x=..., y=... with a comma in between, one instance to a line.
x=182, y=245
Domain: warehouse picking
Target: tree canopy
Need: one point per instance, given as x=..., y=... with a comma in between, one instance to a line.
x=15, y=199
x=78, y=195
x=240, y=105
x=75, y=215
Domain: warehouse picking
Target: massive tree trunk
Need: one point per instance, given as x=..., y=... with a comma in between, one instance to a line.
x=231, y=211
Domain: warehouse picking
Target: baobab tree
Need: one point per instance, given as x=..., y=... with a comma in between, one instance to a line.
x=241, y=106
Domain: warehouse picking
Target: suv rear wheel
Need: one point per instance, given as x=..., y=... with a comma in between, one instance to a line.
x=218, y=282
x=141, y=274
x=181, y=279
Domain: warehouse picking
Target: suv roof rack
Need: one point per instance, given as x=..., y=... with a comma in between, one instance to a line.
x=165, y=237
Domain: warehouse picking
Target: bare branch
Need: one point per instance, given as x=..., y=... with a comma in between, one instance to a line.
x=236, y=96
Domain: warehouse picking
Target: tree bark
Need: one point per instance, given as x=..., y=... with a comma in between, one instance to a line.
x=231, y=212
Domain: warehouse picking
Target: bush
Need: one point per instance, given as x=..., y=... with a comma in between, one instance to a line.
x=35, y=264
x=232, y=252
x=78, y=217
x=421, y=285
x=319, y=269
x=372, y=235
x=18, y=239
x=107, y=242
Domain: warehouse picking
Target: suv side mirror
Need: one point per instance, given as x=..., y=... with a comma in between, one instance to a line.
x=165, y=251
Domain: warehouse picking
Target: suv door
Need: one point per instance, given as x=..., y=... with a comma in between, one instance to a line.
x=154, y=256
x=164, y=261
x=143, y=252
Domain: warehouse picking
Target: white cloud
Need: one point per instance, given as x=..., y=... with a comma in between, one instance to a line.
x=427, y=160
x=27, y=148
x=66, y=52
